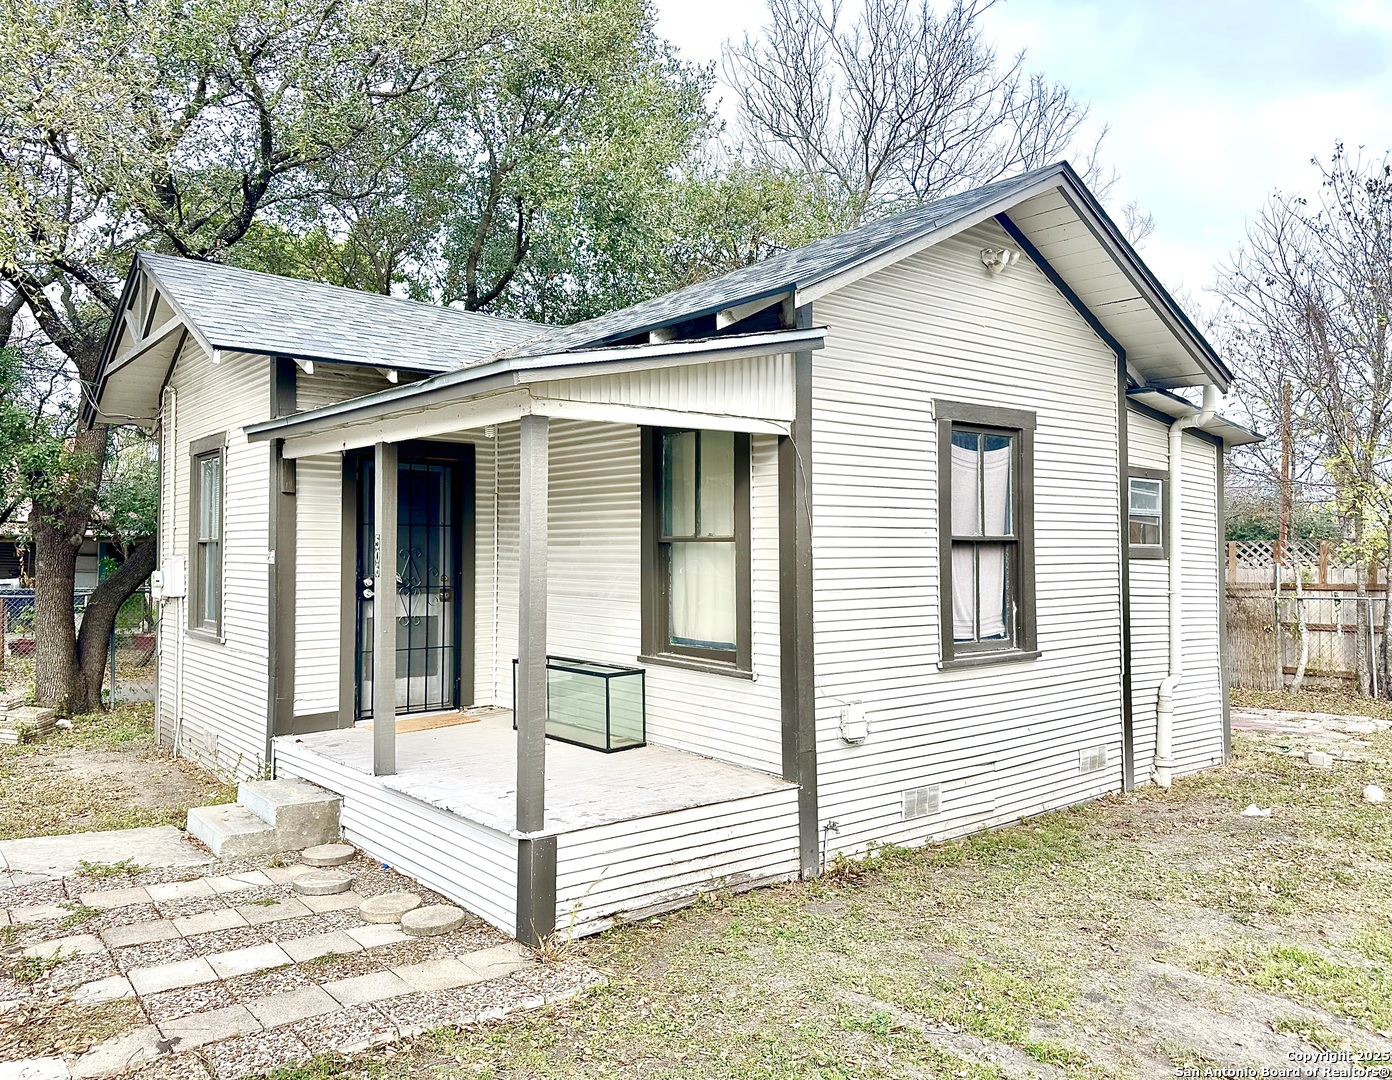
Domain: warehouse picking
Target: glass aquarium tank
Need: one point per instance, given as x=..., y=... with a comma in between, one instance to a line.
x=588, y=703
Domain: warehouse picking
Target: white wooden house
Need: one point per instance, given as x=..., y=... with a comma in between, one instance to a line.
x=726, y=515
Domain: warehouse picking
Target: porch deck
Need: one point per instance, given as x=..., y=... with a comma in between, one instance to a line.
x=635, y=831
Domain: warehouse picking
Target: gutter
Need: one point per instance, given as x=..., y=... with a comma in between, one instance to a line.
x=1165, y=695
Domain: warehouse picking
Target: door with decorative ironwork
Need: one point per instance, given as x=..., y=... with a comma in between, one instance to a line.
x=427, y=586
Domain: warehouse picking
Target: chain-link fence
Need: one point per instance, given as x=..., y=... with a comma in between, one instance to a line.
x=130, y=674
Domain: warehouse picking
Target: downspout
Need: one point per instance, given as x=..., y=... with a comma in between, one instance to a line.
x=1164, y=698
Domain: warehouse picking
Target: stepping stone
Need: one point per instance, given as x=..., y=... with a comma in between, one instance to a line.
x=432, y=921
x=115, y=988
x=328, y=854
x=120, y=1053
x=389, y=907
x=141, y=933
x=322, y=883
x=65, y=948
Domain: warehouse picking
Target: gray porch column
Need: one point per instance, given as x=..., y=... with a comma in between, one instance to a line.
x=536, y=857
x=384, y=610
x=795, y=643
x=530, y=705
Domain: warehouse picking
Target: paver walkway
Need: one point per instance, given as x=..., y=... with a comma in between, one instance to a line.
x=223, y=968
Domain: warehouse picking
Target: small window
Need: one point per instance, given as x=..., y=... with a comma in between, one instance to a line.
x=205, y=535
x=696, y=524
x=987, y=543
x=1145, y=515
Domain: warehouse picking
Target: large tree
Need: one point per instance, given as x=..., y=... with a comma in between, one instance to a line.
x=903, y=102
x=251, y=132
x=1308, y=305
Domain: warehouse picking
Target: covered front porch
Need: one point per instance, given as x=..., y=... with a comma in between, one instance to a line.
x=630, y=833
x=715, y=785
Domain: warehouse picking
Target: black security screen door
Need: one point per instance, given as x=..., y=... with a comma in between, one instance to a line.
x=428, y=593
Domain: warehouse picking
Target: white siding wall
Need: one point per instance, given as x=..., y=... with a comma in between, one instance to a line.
x=634, y=868
x=759, y=386
x=1003, y=741
x=1198, y=722
x=594, y=591
x=224, y=683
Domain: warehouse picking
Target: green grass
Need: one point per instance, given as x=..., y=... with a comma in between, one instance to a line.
x=122, y=868
x=1360, y=992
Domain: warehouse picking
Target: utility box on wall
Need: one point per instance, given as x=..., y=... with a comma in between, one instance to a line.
x=855, y=728
x=170, y=581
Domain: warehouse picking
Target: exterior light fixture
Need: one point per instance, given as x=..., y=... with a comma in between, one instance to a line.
x=997, y=259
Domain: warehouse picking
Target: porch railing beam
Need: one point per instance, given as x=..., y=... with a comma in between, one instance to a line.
x=384, y=603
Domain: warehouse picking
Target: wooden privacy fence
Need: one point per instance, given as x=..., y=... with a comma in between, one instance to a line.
x=1264, y=609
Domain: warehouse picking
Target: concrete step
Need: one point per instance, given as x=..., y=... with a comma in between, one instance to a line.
x=231, y=831
x=302, y=814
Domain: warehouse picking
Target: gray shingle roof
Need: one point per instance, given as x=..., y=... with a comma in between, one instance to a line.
x=799, y=267
x=253, y=312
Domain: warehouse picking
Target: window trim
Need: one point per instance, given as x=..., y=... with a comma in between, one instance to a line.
x=1023, y=644
x=208, y=630
x=657, y=648
x=1160, y=551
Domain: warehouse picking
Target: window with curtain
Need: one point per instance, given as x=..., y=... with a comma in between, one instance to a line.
x=697, y=525
x=1145, y=515
x=206, y=514
x=987, y=543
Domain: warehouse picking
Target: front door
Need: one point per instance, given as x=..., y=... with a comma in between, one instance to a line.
x=432, y=493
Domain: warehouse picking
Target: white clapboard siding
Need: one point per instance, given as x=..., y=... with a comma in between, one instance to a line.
x=318, y=581
x=611, y=872
x=332, y=383
x=1198, y=722
x=486, y=629
x=1147, y=441
x=594, y=591
x=1000, y=741
x=469, y=863
x=1198, y=727
x=224, y=699
x=760, y=386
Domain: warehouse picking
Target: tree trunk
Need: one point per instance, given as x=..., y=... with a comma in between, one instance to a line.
x=94, y=639
x=58, y=525
x=55, y=627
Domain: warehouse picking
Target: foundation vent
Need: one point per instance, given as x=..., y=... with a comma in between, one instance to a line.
x=921, y=801
x=1092, y=760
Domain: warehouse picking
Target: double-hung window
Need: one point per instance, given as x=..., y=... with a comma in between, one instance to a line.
x=986, y=525
x=1145, y=514
x=696, y=537
x=207, y=461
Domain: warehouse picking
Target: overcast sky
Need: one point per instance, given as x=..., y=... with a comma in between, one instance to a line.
x=1212, y=104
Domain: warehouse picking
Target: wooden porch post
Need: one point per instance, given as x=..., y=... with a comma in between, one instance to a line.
x=384, y=610
x=530, y=705
x=797, y=657
x=536, y=856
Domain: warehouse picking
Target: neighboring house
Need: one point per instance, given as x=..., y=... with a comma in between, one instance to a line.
x=17, y=561
x=737, y=493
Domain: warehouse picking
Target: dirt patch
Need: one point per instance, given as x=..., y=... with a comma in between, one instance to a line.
x=104, y=773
